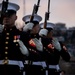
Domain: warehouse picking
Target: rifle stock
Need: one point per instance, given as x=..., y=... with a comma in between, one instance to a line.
x=45, y=22
x=35, y=9
x=46, y=18
x=47, y=15
x=32, y=16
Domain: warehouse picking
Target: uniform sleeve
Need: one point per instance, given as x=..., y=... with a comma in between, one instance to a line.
x=64, y=53
x=25, y=38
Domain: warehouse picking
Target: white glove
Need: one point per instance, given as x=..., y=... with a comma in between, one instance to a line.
x=56, y=44
x=43, y=32
x=28, y=27
x=1, y=28
x=38, y=43
x=23, y=48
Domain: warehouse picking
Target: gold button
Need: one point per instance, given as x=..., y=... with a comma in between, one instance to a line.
x=44, y=48
x=41, y=69
x=7, y=38
x=5, y=61
x=6, y=58
x=7, y=33
x=6, y=47
x=34, y=35
x=14, y=41
x=30, y=49
x=10, y=29
x=6, y=52
x=16, y=44
x=5, y=28
x=6, y=42
x=17, y=40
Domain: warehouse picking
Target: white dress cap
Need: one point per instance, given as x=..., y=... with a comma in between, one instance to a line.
x=11, y=6
x=49, y=25
x=36, y=18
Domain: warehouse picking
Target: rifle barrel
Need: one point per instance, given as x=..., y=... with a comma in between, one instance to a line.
x=48, y=5
x=38, y=3
x=6, y=0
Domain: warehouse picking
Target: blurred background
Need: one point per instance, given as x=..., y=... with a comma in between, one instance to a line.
x=60, y=10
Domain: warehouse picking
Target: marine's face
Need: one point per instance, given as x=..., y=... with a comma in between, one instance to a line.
x=50, y=34
x=9, y=20
x=36, y=29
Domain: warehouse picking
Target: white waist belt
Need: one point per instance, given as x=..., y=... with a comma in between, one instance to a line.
x=41, y=63
x=54, y=67
x=13, y=62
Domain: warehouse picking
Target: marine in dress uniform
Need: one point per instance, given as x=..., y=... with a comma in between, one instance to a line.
x=36, y=66
x=53, y=49
x=12, y=43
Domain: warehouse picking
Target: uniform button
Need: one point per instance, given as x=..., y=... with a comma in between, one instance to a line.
x=6, y=58
x=6, y=42
x=14, y=41
x=5, y=62
x=6, y=47
x=34, y=35
x=41, y=69
x=17, y=40
x=6, y=52
x=7, y=33
x=5, y=28
x=29, y=49
x=10, y=29
x=16, y=44
x=7, y=38
x=44, y=48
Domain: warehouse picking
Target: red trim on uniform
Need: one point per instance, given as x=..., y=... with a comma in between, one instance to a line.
x=31, y=43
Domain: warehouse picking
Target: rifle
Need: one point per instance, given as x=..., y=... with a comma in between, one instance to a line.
x=3, y=10
x=47, y=15
x=35, y=10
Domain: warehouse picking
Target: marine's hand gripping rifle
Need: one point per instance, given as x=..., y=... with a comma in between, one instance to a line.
x=35, y=10
x=3, y=10
x=47, y=15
